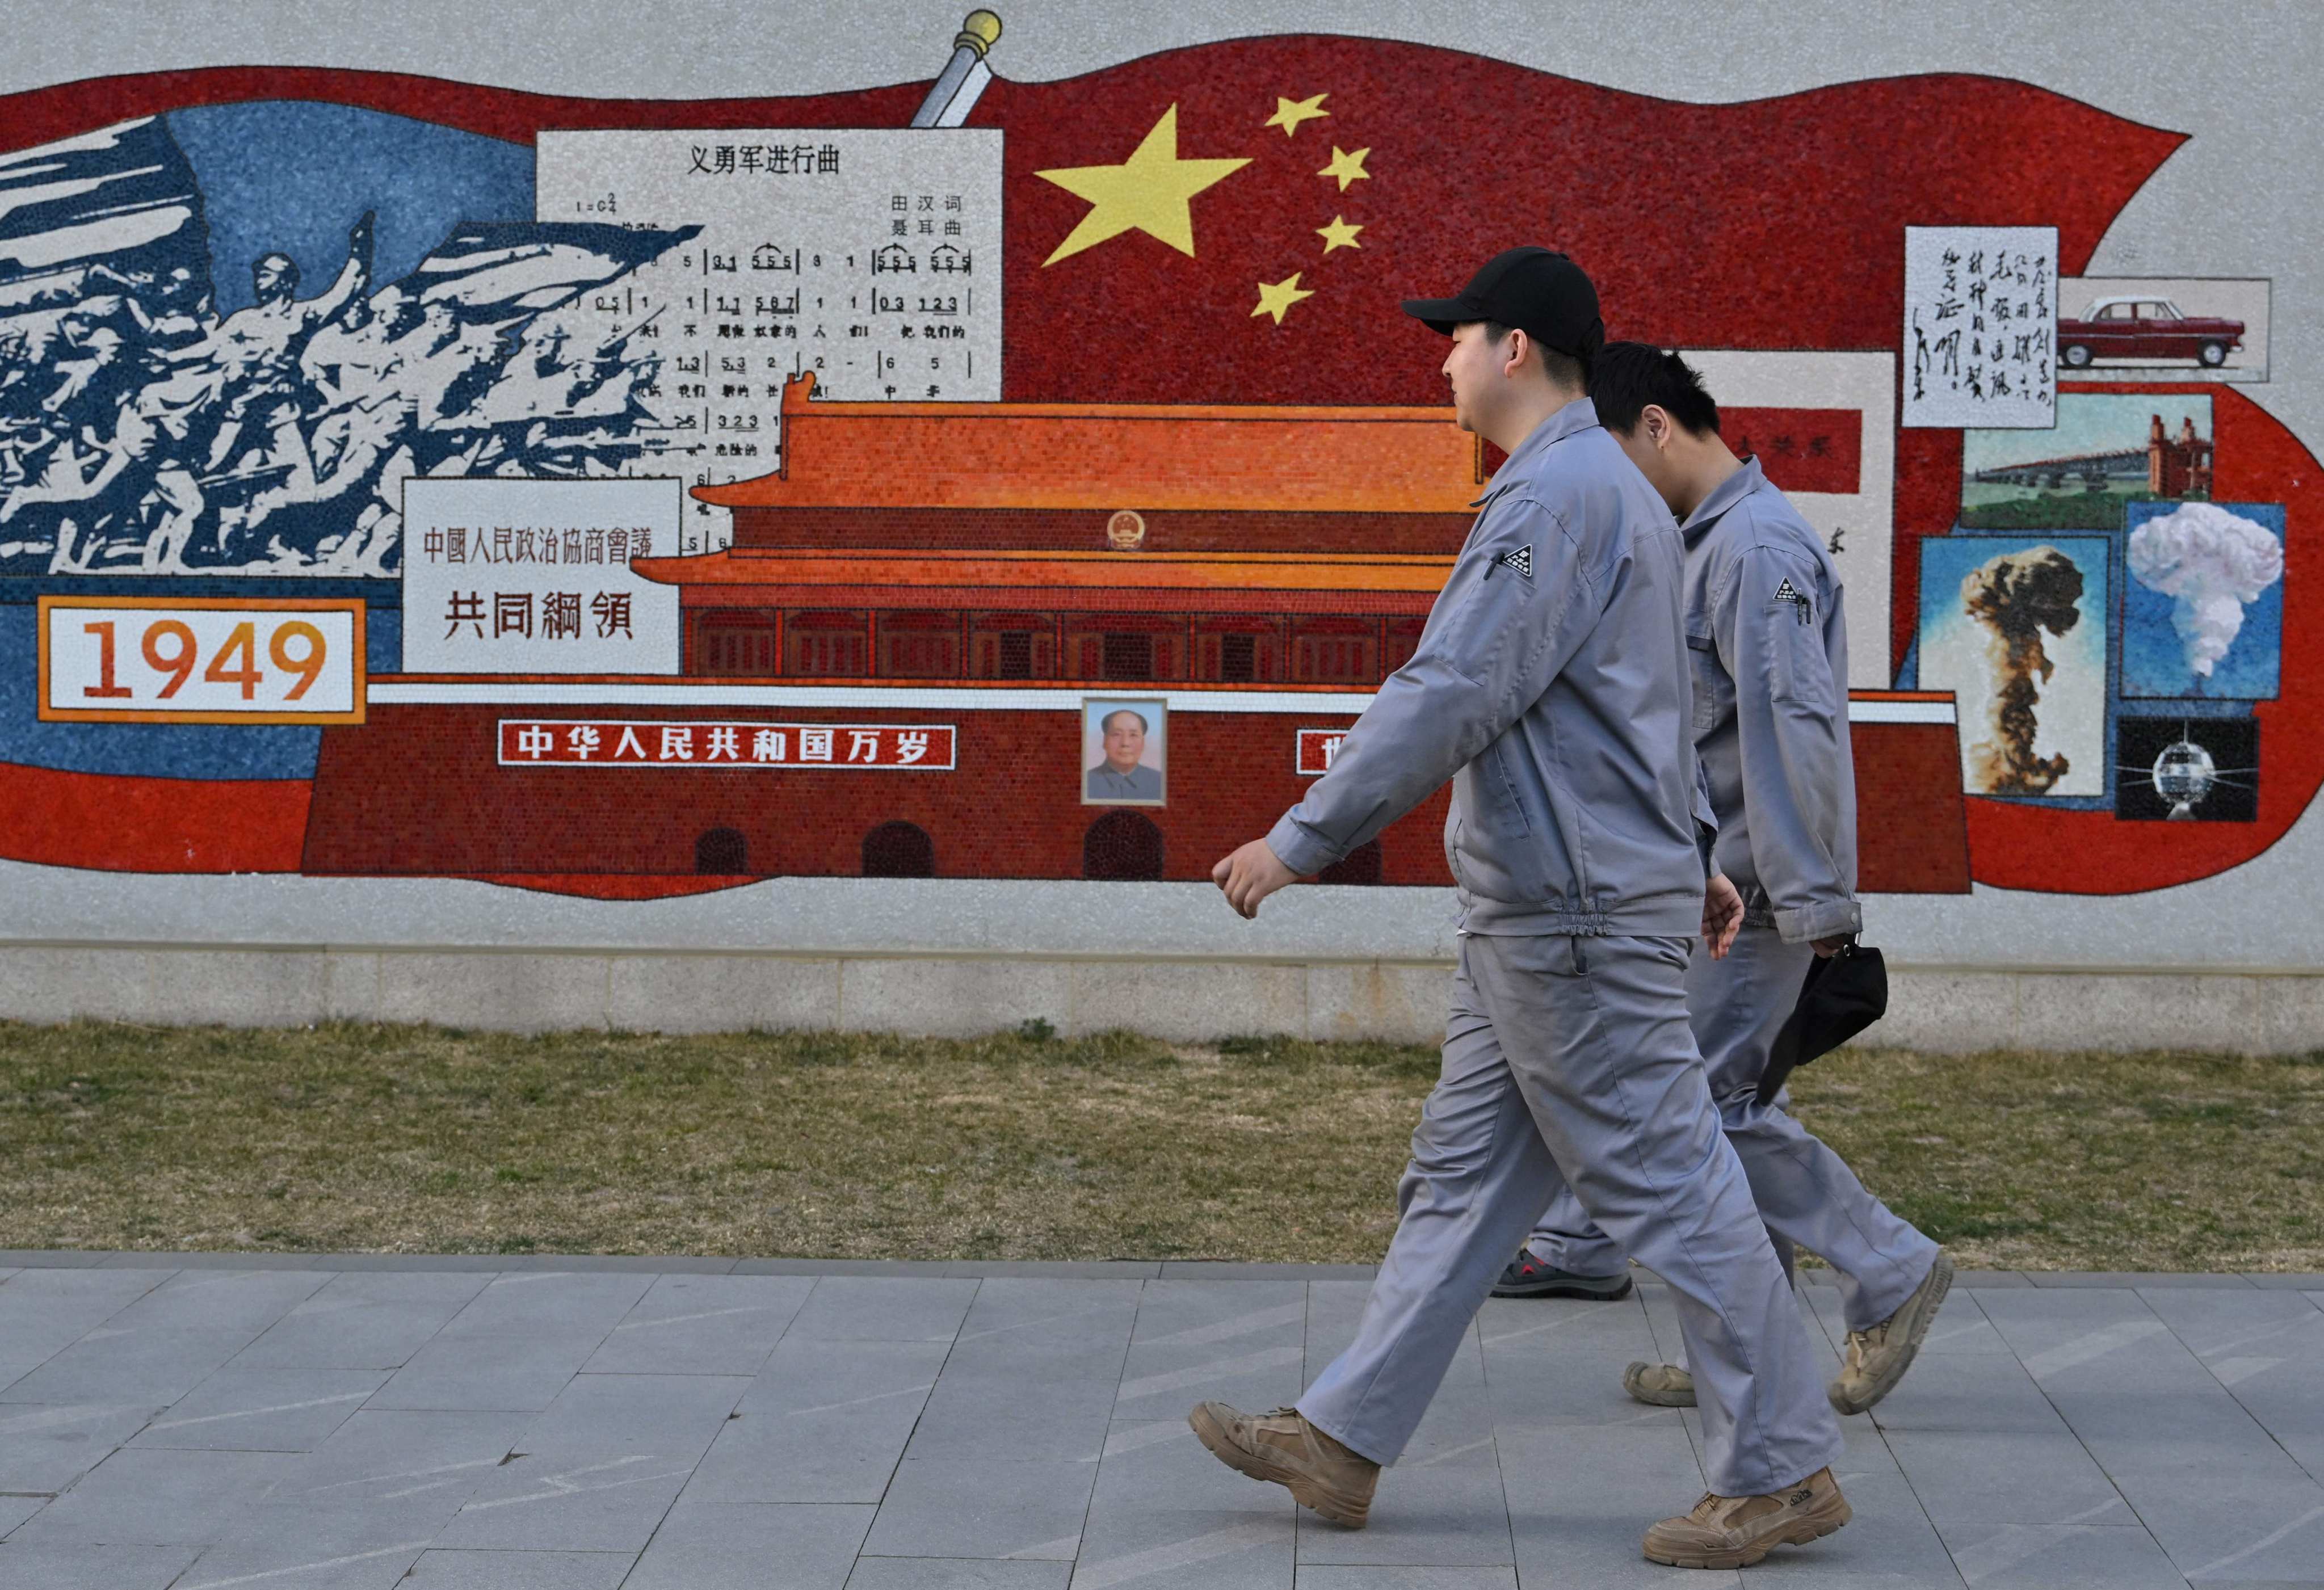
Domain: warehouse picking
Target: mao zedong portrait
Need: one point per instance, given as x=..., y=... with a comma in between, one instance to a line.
x=1127, y=770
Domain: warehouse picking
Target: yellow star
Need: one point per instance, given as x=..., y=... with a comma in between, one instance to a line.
x=1347, y=168
x=1339, y=234
x=1275, y=296
x=1148, y=192
x=1289, y=114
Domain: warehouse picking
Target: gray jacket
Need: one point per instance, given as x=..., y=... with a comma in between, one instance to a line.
x=1550, y=685
x=1768, y=642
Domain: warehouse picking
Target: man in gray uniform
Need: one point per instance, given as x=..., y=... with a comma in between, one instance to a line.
x=1768, y=642
x=1551, y=685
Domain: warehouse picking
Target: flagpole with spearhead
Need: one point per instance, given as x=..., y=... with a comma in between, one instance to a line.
x=955, y=90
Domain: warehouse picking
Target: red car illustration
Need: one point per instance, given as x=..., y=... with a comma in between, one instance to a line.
x=2146, y=328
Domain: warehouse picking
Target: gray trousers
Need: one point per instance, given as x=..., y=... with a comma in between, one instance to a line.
x=1568, y=1061
x=1805, y=1192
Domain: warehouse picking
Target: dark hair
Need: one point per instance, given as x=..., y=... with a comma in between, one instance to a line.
x=1631, y=375
x=1105, y=724
x=1567, y=370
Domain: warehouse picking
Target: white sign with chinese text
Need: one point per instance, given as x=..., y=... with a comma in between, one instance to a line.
x=533, y=576
x=696, y=742
x=1317, y=749
x=870, y=257
x=1980, y=344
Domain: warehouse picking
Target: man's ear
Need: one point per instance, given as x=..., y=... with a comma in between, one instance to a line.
x=1657, y=421
x=1519, y=345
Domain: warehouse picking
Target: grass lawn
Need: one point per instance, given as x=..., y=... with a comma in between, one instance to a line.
x=824, y=1145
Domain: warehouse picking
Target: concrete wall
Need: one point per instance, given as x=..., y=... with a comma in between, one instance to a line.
x=1935, y=1009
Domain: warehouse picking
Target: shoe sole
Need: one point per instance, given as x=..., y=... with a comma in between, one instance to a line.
x=1653, y=1399
x=1269, y=1471
x=1566, y=1289
x=1942, y=1273
x=1810, y=1528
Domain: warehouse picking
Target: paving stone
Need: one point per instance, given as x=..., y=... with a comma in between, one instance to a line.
x=1578, y=1508
x=600, y=1505
x=334, y=1547
x=363, y=1320
x=156, y=1499
x=1322, y=1577
x=1447, y=1515
x=704, y=1546
x=1983, y=1280
x=1049, y=1329
x=2129, y=1279
x=46, y=1447
x=152, y=1364
x=263, y=1409
x=1188, y=1549
x=487, y=1372
x=53, y=1258
x=1220, y=1270
x=2062, y=1557
x=1889, y=1543
x=1964, y=1478
x=91, y=1567
x=871, y=1308
x=957, y=1573
x=521, y=1570
x=1057, y=1269
x=15, y=1509
x=702, y=1325
x=414, y=1463
x=44, y=1311
x=666, y=1416
x=549, y=1303
x=824, y=1422
x=969, y=1509
x=1013, y=1416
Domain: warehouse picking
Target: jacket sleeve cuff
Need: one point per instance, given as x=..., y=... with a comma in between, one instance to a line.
x=1827, y=919
x=1298, y=848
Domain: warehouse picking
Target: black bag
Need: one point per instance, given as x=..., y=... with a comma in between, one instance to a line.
x=1843, y=994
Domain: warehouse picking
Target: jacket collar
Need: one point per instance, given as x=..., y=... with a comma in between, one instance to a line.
x=1724, y=496
x=1578, y=415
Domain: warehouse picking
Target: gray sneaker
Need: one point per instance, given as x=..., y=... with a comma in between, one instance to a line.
x=1877, y=1358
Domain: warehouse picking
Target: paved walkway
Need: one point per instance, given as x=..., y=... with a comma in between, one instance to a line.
x=199, y=1422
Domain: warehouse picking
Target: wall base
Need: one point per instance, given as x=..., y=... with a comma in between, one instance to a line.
x=1936, y=1009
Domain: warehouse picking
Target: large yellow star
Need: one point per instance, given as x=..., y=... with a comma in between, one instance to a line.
x=1339, y=234
x=1148, y=192
x=1275, y=296
x=1347, y=166
x=1290, y=113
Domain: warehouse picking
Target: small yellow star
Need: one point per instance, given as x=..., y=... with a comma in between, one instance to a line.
x=1275, y=296
x=1347, y=166
x=1339, y=234
x=1289, y=114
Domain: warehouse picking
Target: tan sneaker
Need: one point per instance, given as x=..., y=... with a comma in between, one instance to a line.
x=1878, y=1357
x=1283, y=1448
x=1665, y=1386
x=1735, y=1532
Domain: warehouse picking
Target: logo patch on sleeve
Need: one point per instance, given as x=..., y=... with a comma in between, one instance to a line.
x=1520, y=560
x=1787, y=591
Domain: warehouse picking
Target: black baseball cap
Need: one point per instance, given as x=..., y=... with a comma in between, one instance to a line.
x=1538, y=290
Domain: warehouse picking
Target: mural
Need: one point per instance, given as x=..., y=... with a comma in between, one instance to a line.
x=982, y=479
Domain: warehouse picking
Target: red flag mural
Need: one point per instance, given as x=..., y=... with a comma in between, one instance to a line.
x=1226, y=227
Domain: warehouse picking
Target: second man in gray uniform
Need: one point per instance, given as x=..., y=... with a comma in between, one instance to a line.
x=1768, y=644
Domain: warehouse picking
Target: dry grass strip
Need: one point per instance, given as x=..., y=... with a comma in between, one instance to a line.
x=418, y=1139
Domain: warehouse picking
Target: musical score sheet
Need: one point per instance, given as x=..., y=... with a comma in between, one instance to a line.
x=869, y=256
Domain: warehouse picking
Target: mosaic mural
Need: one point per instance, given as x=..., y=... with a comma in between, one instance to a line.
x=984, y=479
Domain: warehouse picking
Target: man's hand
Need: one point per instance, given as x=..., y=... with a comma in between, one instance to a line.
x=1722, y=915
x=1252, y=874
x=1826, y=949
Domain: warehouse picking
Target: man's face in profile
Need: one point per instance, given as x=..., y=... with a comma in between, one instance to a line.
x=1125, y=741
